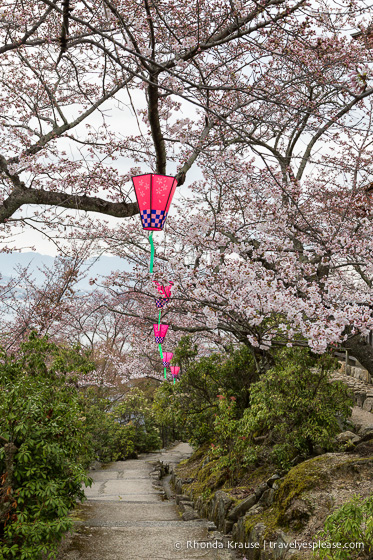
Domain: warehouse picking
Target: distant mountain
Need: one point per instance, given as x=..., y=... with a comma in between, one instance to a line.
x=102, y=266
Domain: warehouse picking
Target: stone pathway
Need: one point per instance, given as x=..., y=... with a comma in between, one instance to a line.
x=125, y=518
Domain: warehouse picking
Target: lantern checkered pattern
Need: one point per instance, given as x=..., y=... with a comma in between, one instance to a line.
x=154, y=219
x=154, y=195
x=161, y=302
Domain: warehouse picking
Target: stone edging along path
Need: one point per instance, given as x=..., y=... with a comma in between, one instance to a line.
x=359, y=382
x=127, y=517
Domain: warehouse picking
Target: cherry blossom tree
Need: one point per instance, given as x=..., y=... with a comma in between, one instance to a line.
x=57, y=307
x=59, y=149
x=272, y=100
x=278, y=243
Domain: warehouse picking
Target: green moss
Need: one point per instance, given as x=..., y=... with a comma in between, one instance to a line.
x=189, y=468
x=314, y=474
x=198, y=454
x=299, y=482
x=268, y=517
x=207, y=479
x=256, y=476
x=250, y=522
x=305, y=476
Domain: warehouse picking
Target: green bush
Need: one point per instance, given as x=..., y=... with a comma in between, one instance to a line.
x=103, y=431
x=226, y=447
x=192, y=401
x=119, y=431
x=43, y=448
x=350, y=524
x=166, y=414
x=294, y=407
x=135, y=412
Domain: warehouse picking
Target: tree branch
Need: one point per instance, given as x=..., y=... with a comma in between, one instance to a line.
x=59, y=130
x=63, y=200
x=28, y=34
x=327, y=125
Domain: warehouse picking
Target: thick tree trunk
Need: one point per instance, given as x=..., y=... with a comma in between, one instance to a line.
x=361, y=350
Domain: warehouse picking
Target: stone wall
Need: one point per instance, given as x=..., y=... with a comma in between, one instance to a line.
x=357, y=372
x=360, y=382
x=229, y=516
x=298, y=500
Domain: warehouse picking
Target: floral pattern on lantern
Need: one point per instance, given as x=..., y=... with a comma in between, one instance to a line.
x=154, y=195
x=165, y=291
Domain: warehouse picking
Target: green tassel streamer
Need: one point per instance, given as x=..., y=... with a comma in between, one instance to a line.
x=161, y=354
x=151, y=252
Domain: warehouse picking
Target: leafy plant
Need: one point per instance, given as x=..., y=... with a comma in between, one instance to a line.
x=166, y=414
x=135, y=410
x=226, y=446
x=43, y=446
x=294, y=407
x=193, y=403
x=106, y=438
x=348, y=526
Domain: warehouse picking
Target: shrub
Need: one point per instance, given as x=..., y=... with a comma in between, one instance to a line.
x=295, y=407
x=43, y=446
x=350, y=524
x=121, y=430
x=226, y=438
x=166, y=414
x=103, y=431
x=193, y=403
x=135, y=410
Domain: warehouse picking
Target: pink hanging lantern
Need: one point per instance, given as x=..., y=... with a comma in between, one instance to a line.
x=154, y=195
x=174, y=370
x=167, y=357
x=160, y=332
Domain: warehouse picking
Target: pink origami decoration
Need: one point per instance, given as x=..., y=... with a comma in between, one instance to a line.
x=154, y=195
x=174, y=370
x=167, y=357
x=160, y=332
x=165, y=291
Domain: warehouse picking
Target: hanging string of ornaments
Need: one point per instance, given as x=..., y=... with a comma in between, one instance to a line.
x=154, y=195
